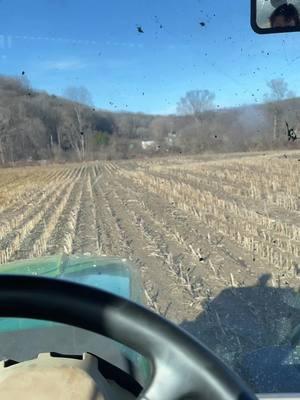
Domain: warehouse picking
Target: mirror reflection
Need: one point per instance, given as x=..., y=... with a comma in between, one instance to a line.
x=278, y=14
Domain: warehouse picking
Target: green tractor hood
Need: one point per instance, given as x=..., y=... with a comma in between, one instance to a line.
x=112, y=274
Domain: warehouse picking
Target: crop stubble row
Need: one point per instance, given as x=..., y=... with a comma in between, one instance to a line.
x=191, y=228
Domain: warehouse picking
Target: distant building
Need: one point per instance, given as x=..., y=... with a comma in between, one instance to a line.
x=148, y=145
x=171, y=138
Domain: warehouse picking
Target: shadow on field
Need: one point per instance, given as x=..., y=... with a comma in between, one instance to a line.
x=256, y=331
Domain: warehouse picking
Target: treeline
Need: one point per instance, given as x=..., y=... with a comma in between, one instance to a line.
x=37, y=126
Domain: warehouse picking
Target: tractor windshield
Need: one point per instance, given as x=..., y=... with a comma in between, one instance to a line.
x=164, y=133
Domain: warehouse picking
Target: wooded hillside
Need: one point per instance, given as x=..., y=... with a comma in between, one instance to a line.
x=38, y=126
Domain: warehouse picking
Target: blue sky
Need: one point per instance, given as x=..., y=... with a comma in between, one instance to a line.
x=92, y=43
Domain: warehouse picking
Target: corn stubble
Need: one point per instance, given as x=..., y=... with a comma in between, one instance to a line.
x=252, y=203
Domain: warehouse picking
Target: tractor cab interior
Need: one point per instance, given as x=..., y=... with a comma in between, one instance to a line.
x=80, y=331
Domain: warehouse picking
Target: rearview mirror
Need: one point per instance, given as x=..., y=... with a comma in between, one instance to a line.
x=275, y=16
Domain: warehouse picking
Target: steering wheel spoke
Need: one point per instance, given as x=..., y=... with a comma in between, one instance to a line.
x=165, y=385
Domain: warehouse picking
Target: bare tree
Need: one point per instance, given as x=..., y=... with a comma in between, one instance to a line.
x=160, y=127
x=25, y=82
x=4, y=124
x=70, y=138
x=80, y=97
x=128, y=124
x=278, y=91
x=195, y=103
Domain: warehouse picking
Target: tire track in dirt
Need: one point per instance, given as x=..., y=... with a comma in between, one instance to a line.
x=114, y=240
x=101, y=232
x=164, y=290
x=85, y=240
x=180, y=259
x=107, y=234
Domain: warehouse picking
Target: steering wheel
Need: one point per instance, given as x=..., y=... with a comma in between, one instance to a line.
x=182, y=368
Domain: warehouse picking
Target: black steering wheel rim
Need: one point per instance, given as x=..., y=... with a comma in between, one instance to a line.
x=182, y=367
